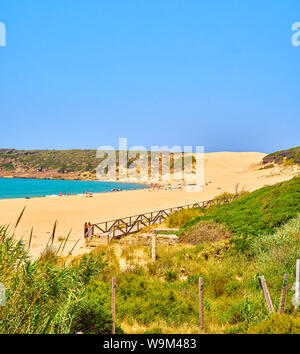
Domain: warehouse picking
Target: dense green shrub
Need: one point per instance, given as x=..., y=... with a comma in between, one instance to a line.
x=245, y=311
x=154, y=331
x=259, y=212
x=41, y=293
x=145, y=301
x=170, y=275
x=90, y=318
x=179, y=218
x=276, y=254
x=278, y=324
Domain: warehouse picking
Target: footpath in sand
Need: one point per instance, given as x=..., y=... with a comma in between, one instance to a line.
x=223, y=171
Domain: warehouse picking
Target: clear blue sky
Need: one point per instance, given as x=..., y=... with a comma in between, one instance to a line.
x=81, y=74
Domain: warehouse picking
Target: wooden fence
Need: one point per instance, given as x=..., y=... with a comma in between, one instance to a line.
x=132, y=224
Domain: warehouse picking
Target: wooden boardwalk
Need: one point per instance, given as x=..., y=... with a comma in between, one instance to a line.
x=132, y=224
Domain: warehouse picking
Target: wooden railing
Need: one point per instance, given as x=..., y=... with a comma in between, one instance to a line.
x=132, y=224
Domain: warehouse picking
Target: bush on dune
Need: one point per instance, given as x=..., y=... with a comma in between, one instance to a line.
x=259, y=212
x=179, y=218
x=145, y=301
x=276, y=254
x=290, y=156
x=90, y=318
x=205, y=231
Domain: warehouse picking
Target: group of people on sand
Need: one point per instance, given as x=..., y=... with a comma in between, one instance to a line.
x=88, y=231
x=116, y=190
x=155, y=186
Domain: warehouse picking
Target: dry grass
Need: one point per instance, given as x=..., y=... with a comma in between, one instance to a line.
x=159, y=327
x=205, y=232
x=48, y=254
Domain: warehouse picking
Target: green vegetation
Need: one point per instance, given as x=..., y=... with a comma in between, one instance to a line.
x=278, y=324
x=259, y=212
x=291, y=156
x=179, y=218
x=63, y=161
x=205, y=231
x=229, y=245
x=78, y=161
x=163, y=296
x=46, y=296
x=266, y=167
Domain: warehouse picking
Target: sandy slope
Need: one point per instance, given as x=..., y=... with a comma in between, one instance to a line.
x=224, y=170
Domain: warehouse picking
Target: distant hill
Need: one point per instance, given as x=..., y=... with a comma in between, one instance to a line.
x=61, y=164
x=48, y=163
x=290, y=156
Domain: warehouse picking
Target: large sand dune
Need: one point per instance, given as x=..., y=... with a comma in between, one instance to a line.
x=223, y=171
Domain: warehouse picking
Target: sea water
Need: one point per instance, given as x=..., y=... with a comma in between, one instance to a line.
x=22, y=188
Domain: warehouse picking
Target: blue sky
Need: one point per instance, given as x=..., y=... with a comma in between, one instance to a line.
x=81, y=74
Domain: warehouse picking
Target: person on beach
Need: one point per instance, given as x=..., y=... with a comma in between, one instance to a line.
x=90, y=231
x=86, y=228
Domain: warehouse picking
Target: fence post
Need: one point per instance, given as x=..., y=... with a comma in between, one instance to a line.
x=113, y=304
x=266, y=294
x=283, y=293
x=297, y=285
x=153, y=246
x=201, y=322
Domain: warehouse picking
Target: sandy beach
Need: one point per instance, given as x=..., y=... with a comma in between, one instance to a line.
x=223, y=171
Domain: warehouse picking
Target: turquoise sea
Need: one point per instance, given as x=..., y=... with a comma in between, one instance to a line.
x=22, y=188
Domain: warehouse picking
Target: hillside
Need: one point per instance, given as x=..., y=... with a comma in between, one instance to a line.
x=73, y=164
x=290, y=156
x=82, y=164
x=70, y=164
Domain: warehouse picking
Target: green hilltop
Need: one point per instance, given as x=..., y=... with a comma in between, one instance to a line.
x=63, y=161
x=289, y=156
x=72, y=164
